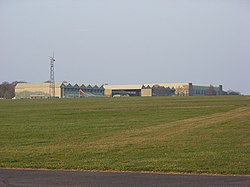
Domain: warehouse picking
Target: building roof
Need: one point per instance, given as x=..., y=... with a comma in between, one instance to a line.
x=81, y=85
x=28, y=85
x=143, y=86
x=168, y=84
x=125, y=87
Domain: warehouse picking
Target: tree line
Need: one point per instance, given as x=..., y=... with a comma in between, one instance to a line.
x=7, y=90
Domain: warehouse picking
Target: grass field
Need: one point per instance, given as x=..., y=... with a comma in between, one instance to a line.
x=165, y=134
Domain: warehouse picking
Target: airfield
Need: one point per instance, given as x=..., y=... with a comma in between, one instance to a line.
x=198, y=135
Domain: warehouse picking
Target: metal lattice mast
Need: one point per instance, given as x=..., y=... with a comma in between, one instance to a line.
x=52, y=77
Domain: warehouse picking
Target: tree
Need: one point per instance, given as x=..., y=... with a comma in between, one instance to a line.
x=7, y=90
x=158, y=90
x=162, y=91
x=170, y=91
x=9, y=94
x=210, y=91
x=2, y=90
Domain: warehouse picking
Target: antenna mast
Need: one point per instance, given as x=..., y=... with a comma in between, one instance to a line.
x=52, y=77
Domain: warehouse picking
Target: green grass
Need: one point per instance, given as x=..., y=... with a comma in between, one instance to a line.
x=163, y=134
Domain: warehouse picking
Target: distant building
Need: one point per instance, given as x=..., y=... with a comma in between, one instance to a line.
x=178, y=89
x=35, y=90
x=81, y=90
x=127, y=90
x=68, y=90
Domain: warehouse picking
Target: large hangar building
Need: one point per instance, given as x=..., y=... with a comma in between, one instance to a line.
x=35, y=90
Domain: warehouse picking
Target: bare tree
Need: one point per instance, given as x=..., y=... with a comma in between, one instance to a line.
x=210, y=91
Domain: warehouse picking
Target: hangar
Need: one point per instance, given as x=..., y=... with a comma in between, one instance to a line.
x=35, y=90
x=127, y=90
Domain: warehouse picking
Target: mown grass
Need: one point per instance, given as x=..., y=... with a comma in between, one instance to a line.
x=166, y=134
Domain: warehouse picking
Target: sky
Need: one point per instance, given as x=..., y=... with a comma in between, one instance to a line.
x=127, y=41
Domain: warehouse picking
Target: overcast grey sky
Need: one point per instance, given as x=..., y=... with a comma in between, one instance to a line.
x=127, y=41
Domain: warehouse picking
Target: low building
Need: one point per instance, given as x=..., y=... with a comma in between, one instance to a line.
x=190, y=89
x=126, y=90
x=35, y=90
x=163, y=89
x=200, y=90
x=68, y=90
x=81, y=90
